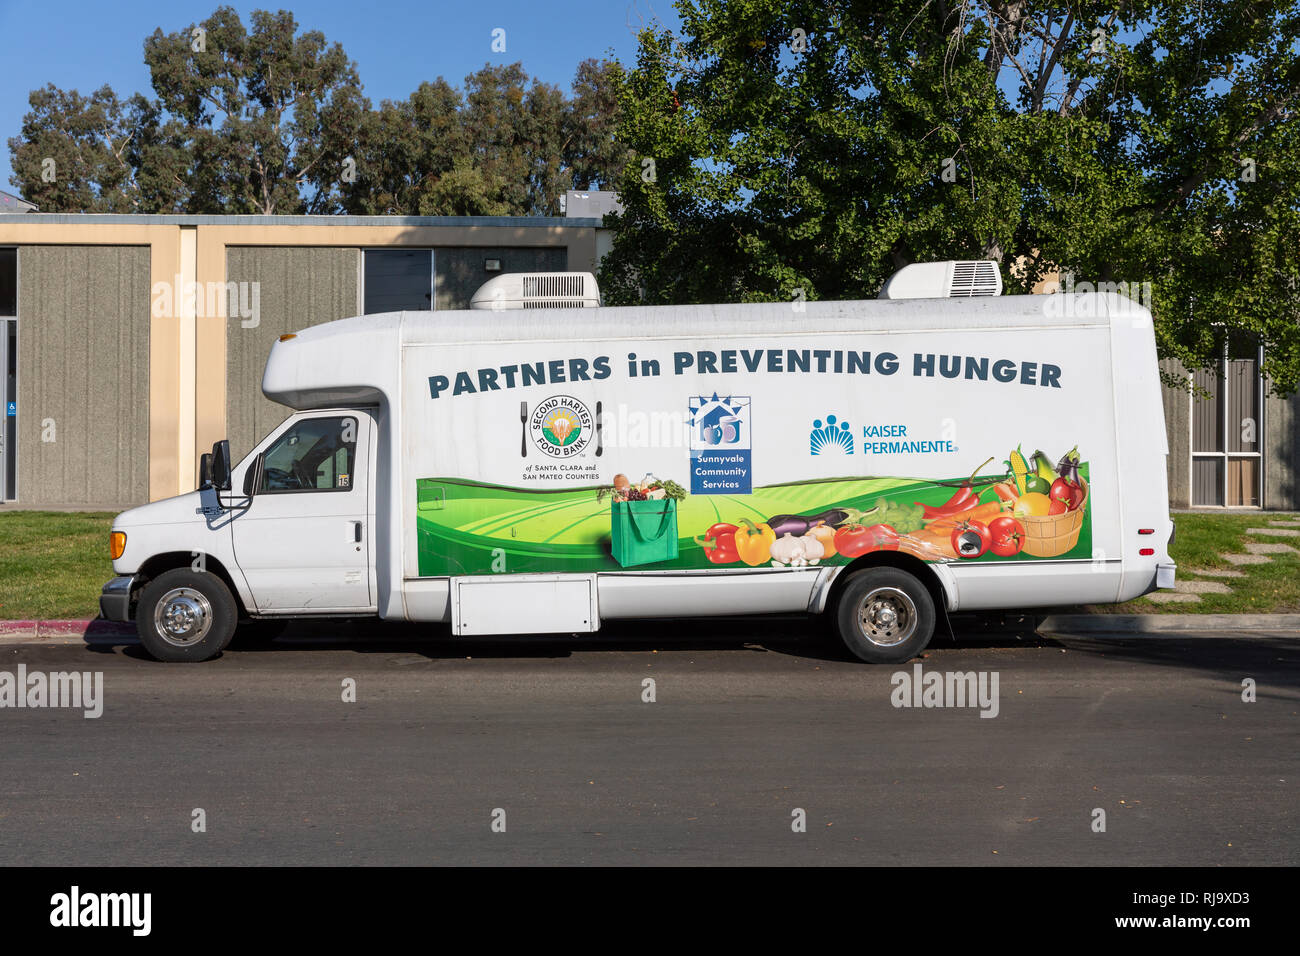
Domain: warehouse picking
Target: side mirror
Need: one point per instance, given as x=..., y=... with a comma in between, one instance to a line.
x=253, y=477
x=205, y=470
x=221, y=465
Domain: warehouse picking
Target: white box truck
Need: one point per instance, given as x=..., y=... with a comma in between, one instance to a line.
x=531, y=467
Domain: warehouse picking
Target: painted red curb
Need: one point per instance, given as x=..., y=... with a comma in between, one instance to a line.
x=65, y=628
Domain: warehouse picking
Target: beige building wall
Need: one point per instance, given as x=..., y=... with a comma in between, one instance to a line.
x=179, y=400
x=296, y=287
x=83, y=384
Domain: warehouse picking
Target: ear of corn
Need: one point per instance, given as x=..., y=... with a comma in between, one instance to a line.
x=1019, y=468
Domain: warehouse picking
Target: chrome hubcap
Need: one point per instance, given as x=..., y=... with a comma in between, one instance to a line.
x=182, y=617
x=887, y=616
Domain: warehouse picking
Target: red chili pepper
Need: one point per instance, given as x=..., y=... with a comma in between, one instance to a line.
x=965, y=497
x=719, y=543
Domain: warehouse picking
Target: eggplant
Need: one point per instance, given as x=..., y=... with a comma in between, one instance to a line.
x=799, y=525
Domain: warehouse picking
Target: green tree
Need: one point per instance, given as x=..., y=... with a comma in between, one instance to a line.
x=821, y=145
x=253, y=106
x=95, y=153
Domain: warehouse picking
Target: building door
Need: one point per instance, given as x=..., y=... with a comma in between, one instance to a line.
x=1227, y=431
x=8, y=374
x=398, y=280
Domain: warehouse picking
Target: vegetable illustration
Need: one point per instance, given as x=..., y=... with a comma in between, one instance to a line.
x=1043, y=466
x=1033, y=482
x=754, y=542
x=799, y=525
x=970, y=539
x=961, y=499
x=1007, y=535
x=719, y=543
x=1019, y=469
x=855, y=540
x=790, y=551
x=648, y=488
x=1033, y=505
x=902, y=517
x=1067, y=491
x=826, y=535
x=1068, y=466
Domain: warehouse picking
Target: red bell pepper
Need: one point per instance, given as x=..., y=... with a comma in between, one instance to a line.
x=719, y=543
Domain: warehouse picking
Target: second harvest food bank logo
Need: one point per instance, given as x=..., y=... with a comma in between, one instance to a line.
x=720, y=445
x=560, y=427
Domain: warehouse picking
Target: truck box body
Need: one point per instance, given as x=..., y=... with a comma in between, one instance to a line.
x=487, y=443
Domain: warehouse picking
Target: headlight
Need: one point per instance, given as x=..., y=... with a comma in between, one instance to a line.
x=116, y=544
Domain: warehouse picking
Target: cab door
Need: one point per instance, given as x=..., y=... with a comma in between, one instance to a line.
x=302, y=539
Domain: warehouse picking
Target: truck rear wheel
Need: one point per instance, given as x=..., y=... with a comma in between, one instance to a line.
x=885, y=615
x=185, y=615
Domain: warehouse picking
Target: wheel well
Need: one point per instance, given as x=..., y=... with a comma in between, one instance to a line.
x=893, y=559
x=170, y=560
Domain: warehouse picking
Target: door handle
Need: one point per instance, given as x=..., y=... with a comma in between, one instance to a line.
x=356, y=531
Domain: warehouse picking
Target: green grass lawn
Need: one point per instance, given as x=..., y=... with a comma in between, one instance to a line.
x=1201, y=542
x=53, y=564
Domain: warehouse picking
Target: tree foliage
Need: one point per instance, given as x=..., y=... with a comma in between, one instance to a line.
x=819, y=145
x=270, y=119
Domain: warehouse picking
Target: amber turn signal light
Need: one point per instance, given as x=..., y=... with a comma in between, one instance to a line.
x=116, y=544
x=288, y=335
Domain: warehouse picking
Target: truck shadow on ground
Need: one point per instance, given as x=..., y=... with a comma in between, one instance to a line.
x=793, y=635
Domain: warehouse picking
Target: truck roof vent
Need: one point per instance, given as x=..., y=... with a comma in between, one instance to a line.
x=944, y=280
x=538, y=290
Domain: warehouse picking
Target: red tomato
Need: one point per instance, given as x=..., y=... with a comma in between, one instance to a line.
x=970, y=539
x=1008, y=536
x=854, y=540
x=1066, y=492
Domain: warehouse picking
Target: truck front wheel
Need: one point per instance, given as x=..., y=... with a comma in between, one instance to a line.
x=185, y=615
x=885, y=615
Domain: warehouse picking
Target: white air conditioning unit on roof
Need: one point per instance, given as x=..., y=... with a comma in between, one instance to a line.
x=944, y=280
x=538, y=290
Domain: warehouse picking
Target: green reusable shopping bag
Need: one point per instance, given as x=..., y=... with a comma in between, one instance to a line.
x=642, y=532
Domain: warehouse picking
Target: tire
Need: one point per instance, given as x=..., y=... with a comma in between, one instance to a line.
x=885, y=616
x=186, y=615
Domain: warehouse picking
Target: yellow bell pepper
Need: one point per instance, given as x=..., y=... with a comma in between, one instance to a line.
x=754, y=543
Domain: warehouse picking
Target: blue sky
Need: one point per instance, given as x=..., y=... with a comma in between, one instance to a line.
x=82, y=44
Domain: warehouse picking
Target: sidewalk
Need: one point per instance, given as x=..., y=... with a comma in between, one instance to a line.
x=13, y=632
x=1164, y=623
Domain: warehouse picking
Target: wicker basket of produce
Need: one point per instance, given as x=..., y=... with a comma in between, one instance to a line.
x=1049, y=536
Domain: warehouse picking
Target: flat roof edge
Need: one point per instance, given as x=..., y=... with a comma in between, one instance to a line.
x=132, y=219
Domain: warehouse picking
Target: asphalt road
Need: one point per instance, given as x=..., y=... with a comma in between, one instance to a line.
x=750, y=722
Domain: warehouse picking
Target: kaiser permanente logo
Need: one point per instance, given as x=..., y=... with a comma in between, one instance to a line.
x=836, y=437
x=82, y=690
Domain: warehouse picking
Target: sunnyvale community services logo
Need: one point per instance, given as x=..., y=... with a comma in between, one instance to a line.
x=833, y=438
x=561, y=426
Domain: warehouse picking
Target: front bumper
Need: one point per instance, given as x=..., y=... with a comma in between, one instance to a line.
x=115, y=599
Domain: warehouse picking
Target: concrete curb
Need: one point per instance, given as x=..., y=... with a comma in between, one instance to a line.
x=90, y=628
x=1164, y=623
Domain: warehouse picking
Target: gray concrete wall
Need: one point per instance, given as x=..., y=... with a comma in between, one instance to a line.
x=83, y=362
x=1282, y=453
x=299, y=287
x=459, y=272
x=1178, y=431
